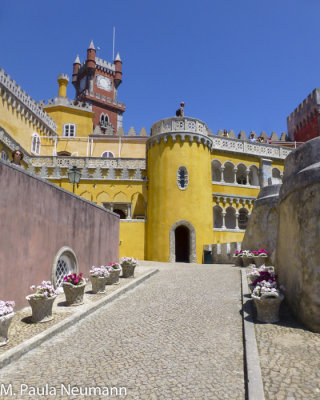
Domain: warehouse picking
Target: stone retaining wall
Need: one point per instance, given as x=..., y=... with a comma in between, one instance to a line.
x=37, y=220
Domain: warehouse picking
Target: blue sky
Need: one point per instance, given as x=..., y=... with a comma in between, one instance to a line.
x=236, y=65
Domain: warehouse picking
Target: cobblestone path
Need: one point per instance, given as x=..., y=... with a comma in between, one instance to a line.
x=178, y=336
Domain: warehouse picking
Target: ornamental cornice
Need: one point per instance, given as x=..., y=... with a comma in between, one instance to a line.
x=184, y=136
x=255, y=149
x=25, y=105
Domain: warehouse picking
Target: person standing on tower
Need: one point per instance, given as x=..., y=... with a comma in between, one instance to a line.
x=180, y=111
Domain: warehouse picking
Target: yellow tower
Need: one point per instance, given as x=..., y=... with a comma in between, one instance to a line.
x=63, y=81
x=179, y=212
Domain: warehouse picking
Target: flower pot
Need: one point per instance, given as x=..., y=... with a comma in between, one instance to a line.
x=41, y=308
x=268, y=307
x=127, y=270
x=5, y=322
x=237, y=261
x=74, y=293
x=113, y=278
x=260, y=260
x=247, y=260
x=98, y=284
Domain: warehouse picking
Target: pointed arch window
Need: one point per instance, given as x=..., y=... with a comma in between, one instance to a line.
x=182, y=178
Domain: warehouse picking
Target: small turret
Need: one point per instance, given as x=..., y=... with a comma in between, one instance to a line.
x=118, y=74
x=76, y=66
x=63, y=81
x=91, y=57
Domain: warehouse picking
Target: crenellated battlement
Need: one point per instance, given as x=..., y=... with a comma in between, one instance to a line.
x=306, y=111
x=12, y=93
x=63, y=101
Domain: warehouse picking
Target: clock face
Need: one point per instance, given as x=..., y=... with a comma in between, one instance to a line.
x=104, y=83
x=83, y=84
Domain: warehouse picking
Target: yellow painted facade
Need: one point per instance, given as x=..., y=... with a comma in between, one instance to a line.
x=139, y=178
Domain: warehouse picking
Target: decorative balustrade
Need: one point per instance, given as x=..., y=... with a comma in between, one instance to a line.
x=91, y=168
x=243, y=146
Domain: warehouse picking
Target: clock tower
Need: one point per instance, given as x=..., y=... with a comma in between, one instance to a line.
x=97, y=81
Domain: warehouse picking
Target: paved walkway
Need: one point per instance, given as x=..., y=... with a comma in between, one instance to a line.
x=176, y=337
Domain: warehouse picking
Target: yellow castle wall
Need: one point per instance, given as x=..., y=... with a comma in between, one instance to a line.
x=132, y=239
x=17, y=126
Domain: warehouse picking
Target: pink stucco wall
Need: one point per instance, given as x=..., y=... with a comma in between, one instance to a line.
x=37, y=219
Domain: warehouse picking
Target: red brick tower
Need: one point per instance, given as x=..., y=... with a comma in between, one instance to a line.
x=304, y=122
x=97, y=81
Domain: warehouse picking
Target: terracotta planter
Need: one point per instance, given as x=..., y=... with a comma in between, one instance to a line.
x=5, y=322
x=268, y=307
x=128, y=271
x=260, y=260
x=41, y=308
x=74, y=293
x=113, y=278
x=98, y=284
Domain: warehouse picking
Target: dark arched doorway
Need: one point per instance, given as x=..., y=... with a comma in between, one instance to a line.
x=182, y=244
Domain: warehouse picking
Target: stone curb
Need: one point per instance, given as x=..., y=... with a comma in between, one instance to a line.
x=254, y=384
x=18, y=351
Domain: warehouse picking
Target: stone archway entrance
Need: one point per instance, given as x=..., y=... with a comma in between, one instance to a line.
x=183, y=242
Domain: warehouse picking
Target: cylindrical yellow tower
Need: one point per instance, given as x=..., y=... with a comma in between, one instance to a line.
x=63, y=81
x=179, y=212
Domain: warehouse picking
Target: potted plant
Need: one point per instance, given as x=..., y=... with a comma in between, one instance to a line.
x=128, y=264
x=247, y=257
x=267, y=299
x=73, y=287
x=6, y=315
x=260, y=257
x=41, y=302
x=114, y=273
x=237, y=258
x=98, y=277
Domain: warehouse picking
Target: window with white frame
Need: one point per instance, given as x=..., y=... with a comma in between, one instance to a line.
x=107, y=154
x=35, y=144
x=69, y=130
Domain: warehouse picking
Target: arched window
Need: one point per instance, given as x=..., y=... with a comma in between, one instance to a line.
x=35, y=144
x=4, y=155
x=104, y=120
x=230, y=218
x=217, y=217
x=182, y=178
x=228, y=172
x=243, y=218
x=69, y=130
x=216, y=171
x=107, y=154
x=276, y=176
x=241, y=174
x=254, y=176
